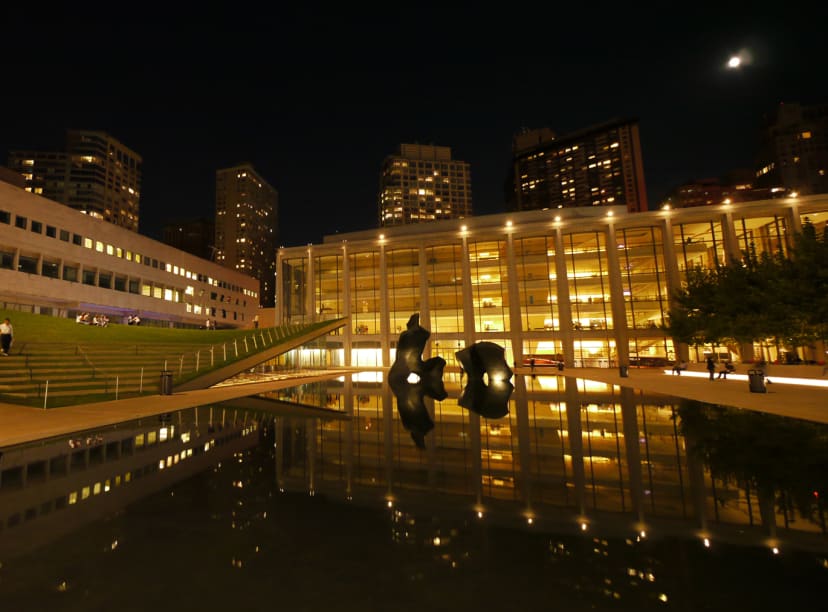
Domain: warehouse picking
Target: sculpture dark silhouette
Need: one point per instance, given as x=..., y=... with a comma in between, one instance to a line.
x=488, y=398
x=429, y=380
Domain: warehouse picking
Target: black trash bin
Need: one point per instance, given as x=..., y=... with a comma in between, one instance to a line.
x=756, y=379
x=166, y=383
x=624, y=371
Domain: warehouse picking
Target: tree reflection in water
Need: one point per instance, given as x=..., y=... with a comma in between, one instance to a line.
x=785, y=461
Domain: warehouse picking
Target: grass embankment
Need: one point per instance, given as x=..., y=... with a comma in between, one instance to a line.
x=39, y=328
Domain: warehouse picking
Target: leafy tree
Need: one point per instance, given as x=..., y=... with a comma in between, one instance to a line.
x=757, y=297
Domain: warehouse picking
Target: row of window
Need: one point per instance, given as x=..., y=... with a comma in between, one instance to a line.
x=51, y=231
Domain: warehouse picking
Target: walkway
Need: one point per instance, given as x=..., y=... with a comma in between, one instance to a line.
x=799, y=398
x=22, y=424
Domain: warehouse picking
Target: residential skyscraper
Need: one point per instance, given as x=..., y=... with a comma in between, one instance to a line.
x=793, y=153
x=423, y=183
x=597, y=166
x=96, y=174
x=247, y=226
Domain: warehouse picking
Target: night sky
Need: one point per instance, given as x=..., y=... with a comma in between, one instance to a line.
x=316, y=99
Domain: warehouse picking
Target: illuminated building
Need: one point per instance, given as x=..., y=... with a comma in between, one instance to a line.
x=793, y=153
x=96, y=175
x=423, y=183
x=592, y=285
x=597, y=166
x=55, y=259
x=247, y=225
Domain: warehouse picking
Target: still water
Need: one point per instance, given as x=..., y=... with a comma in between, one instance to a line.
x=582, y=497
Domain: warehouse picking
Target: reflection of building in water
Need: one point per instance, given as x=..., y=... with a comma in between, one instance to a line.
x=572, y=453
x=49, y=490
x=591, y=284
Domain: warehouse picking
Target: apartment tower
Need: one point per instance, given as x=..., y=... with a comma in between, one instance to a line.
x=96, y=174
x=597, y=166
x=246, y=226
x=423, y=183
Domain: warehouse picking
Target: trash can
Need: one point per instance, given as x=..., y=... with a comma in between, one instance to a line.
x=624, y=371
x=756, y=379
x=166, y=383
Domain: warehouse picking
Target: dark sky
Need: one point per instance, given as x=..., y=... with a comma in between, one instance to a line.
x=316, y=99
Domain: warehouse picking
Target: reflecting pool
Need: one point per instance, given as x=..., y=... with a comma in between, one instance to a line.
x=584, y=496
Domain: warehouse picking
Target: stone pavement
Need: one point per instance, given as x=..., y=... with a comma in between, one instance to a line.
x=800, y=397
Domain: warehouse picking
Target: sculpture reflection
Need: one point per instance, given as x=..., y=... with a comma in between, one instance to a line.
x=488, y=390
x=427, y=380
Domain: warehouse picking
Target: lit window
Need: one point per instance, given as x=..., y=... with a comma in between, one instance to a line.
x=87, y=242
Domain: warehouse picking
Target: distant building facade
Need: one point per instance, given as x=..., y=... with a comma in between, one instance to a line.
x=736, y=186
x=96, y=175
x=246, y=227
x=195, y=236
x=597, y=166
x=423, y=183
x=55, y=260
x=793, y=154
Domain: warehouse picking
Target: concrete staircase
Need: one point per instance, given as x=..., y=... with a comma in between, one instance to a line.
x=46, y=374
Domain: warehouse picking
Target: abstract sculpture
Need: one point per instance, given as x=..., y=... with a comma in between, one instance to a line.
x=488, y=390
x=411, y=379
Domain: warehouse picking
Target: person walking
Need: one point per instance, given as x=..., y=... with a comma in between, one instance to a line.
x=6, y=337
x=711, y=367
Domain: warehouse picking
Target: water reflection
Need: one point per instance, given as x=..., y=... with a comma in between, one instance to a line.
x=583, y=494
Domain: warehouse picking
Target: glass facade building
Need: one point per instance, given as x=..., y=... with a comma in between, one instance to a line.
x=591, y=286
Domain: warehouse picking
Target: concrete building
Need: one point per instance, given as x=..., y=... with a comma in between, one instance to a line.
x=247, y=210
x=96, y=174
x=597, y=166
x=55, y=259
x=423, y=183
x=590, y=286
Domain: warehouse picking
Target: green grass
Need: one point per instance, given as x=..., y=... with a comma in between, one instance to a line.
x=40, y=328
x=38, y=336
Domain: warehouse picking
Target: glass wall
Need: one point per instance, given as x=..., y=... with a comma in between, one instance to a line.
x=489, y=280
x=589, y=297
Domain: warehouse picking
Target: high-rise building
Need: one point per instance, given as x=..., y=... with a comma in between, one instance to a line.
x=96, y=175
x=793, y=154
x=195, y=236
x=597, y=166
x=247, y=209
x=423, y=183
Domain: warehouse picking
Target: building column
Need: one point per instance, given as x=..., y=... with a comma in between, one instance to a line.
x=347, y=336
x=385, y=325
x=673, y=275
x=310, y=289
x=731, y=243
x=279, y=290
x=619, y=310
x=562, y=303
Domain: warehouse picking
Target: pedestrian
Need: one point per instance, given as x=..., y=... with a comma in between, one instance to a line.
x=679, y=366
x=711, y=366
x=6, y=337
x=724, y=370
x=256, y=322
